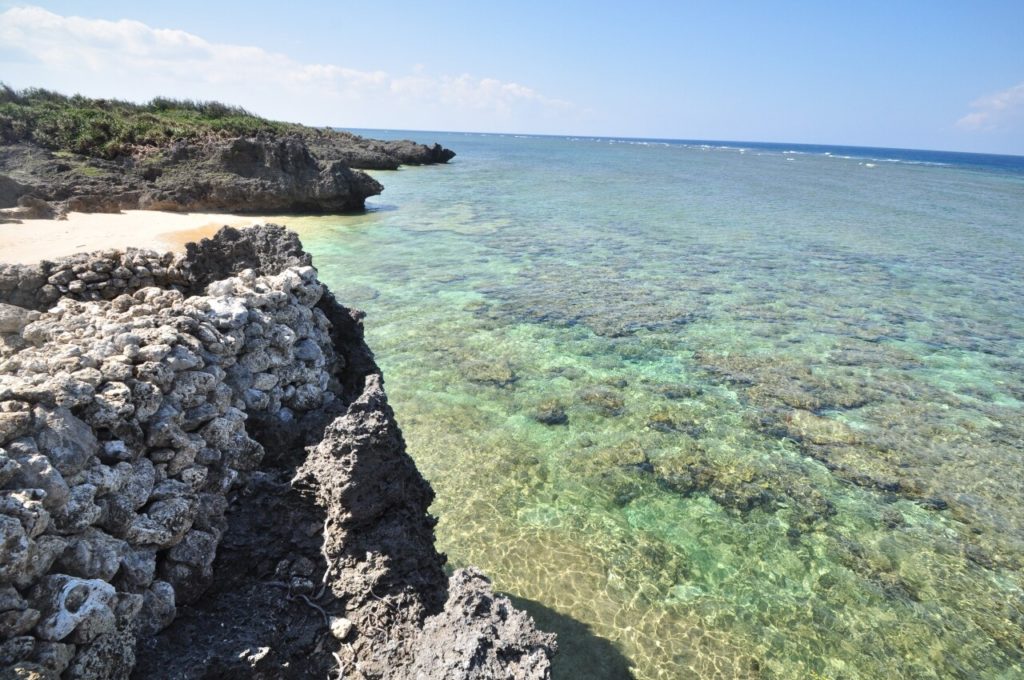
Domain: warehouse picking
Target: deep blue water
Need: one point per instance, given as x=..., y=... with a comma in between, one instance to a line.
x=999, y=163
x=961, y=160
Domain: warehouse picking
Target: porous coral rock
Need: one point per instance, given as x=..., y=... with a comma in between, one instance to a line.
x=143, y=395
x=74, y=605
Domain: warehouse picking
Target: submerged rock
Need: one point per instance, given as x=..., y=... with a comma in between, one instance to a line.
x=605, y=400
x=498, y=373
x=550, y=412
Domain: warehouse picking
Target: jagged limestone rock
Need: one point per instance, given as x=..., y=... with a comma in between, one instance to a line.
x=149, y=435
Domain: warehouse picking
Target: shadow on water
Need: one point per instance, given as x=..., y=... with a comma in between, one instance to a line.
x=581, y=653
x=375, y=208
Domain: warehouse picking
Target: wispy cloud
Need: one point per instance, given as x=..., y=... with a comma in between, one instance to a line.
x=131, y=59
x=996, y=111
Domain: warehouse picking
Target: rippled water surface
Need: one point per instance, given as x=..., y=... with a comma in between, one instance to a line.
x=713, y=412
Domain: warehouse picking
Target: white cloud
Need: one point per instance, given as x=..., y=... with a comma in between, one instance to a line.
x=996, y=111
x=130, y=59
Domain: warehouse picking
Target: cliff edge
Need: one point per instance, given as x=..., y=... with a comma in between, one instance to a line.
x=201, y=477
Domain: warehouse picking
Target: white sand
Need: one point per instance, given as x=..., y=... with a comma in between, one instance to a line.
x=35, y=240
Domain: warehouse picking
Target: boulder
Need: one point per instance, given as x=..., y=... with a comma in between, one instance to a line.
x=13, y=318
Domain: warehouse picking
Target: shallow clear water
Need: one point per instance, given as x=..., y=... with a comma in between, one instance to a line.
x=792, y=386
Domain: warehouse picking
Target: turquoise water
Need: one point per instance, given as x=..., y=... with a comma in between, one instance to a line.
x=716, y=412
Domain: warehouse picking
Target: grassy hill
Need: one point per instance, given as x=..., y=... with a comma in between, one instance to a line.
x=110, y=128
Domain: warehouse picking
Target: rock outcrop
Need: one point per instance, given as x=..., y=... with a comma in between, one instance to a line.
x=200, y=476
x=299, y=173
x=266, y=174
x=258, y=174
x=374, y=154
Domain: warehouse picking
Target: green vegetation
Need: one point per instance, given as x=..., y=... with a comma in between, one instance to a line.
x=90, y=171
x=109, y=128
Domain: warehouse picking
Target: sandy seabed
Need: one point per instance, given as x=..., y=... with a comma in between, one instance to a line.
x=34, y=240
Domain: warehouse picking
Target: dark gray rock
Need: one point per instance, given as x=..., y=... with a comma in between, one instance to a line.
x=309, y=171
x=267, y=249
x=372, y=154
x=15, y=548
x=68, y=442
x=34, y=208
x=35, y=471
x=11, y=190
x=258, y=174
x=12, y=318
x=412, y=153
x=479, y=636
x=14, y=424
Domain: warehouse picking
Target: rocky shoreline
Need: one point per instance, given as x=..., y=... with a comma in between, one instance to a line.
x=316, y=171
x=200, y=476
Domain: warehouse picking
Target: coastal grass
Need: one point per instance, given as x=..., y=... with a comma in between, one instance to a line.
x=111, y=128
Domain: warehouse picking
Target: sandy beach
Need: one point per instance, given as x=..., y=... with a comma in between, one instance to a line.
x=35, y=240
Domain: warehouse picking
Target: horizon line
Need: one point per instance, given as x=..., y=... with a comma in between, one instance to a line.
x=673, y=139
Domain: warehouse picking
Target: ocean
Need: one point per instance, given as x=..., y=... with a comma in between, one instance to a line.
x=713, y=410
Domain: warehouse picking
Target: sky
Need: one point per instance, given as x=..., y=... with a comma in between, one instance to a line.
x=910, y=74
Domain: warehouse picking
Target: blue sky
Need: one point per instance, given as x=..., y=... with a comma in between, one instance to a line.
x=941, y=75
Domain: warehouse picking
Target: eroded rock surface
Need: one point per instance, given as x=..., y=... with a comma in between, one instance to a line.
x=316, y=172
x=200, y=476
x=245, y=174
x=374, y=154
